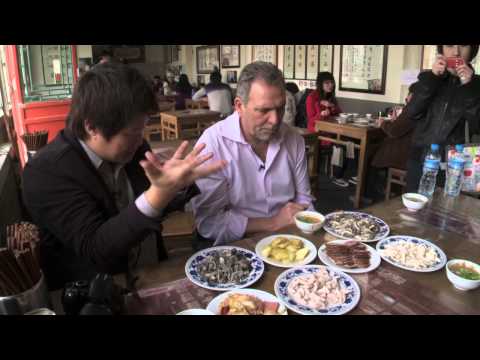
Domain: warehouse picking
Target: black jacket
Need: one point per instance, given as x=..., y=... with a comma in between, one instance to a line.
x=82, y=232
x=441, y=106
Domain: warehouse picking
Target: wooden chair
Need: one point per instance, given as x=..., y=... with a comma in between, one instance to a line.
x=395, y=176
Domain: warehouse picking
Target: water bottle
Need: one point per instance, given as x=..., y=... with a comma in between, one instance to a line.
x=430, y=171
x=455, y=176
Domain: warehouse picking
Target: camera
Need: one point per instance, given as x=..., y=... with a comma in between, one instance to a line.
x=99, y=297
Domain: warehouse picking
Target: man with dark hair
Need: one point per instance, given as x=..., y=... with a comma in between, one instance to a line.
x=219, y=94
x=445, y=107
x=97, y=191
x=266, y=182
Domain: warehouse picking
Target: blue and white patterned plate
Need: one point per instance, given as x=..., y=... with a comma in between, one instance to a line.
x=383, y=232
x=192, y=264
x=346, y=282
x=381, y=245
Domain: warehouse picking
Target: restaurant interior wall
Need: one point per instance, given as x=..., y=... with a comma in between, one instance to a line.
x=400, y=58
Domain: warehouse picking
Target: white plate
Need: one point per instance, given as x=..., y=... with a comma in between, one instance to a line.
x=393, y=239
x=266, y=241
x=195, y=312
x=375, y=259
x=346, y=281
x=382, y=234
x=214, y=305
x=191, y=269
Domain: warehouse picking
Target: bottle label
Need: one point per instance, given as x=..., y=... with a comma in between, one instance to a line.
x=432, y=164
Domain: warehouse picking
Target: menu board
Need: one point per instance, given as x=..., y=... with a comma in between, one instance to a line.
x=300, y=59
x=312, y=62
x=266, y=53
x=363, y=68
x=288, y=61
x=326, y=58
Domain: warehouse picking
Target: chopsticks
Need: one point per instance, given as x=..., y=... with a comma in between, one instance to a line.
x=19, y=264
x=36, y=140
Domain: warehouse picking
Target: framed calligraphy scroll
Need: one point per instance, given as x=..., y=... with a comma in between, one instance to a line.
x=266, y=53
x=363, y=68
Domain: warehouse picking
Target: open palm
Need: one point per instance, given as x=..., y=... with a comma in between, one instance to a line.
x=179, y=172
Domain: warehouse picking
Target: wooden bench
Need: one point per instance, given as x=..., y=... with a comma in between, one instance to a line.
x=395, y=176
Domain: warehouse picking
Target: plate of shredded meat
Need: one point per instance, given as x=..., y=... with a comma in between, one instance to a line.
x=246, y=302
x=411, y=253
x=353, y=225
x=317, y=290
x=224, y=268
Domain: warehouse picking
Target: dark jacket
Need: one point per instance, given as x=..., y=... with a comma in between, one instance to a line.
x=82, y=232
x=441, y=106
x=394, y=149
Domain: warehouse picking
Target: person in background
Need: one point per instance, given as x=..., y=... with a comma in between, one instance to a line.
x=266, y=182
x=97, y=192
x=219, y=95
x=170, y=84
x=445, y=107
x=291, y=104
x=157, y=85
x=393, y=150
x=183, y=91
x=105, y=57
x=322, y=104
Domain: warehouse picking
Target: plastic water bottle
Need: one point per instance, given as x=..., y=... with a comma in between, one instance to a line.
x=455, y=176
x=430, y=171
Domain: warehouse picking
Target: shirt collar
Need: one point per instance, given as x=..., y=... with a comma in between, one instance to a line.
x=231, y=129
x=94, y=158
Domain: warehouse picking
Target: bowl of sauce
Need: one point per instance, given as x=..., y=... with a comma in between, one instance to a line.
x=309, y=221
x=414, y=201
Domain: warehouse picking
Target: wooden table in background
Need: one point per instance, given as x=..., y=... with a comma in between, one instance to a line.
x=199, y=104
x=367, y=135
x=451, y=223
x=184, y=124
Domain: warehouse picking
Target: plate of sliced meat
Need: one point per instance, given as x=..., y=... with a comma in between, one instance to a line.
x=349, y=256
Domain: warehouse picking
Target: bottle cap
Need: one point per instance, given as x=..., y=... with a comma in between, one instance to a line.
x=459, y=148
x=434, y=147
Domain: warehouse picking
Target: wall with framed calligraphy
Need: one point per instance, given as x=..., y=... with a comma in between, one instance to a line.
x=266, y=53
x=289, y=61
x=363, y=68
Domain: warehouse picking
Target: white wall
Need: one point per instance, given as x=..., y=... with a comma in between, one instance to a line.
x=84, y=51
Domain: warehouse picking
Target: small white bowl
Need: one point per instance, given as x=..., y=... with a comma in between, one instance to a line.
x=195, y=312
x=309, y=228
x=368, y=116
x=344, y=115
x=414, y=205
x=459, y=282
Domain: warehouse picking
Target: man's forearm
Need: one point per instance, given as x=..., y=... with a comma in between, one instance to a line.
x=261, y=224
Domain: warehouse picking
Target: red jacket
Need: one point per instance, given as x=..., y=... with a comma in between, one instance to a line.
x=314, y=108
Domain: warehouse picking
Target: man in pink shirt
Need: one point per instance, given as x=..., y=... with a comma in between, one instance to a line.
x=265, y=182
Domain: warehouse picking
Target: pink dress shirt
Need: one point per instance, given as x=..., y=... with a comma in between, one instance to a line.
x=247, y=187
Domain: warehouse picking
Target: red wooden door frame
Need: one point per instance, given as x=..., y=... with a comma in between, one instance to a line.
x=34, y=116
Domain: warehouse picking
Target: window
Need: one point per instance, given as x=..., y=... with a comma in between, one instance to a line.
x=46, y=72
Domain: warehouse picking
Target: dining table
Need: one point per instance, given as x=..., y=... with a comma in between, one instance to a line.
x=452, y=224
x=183, y=124
x=342, y=133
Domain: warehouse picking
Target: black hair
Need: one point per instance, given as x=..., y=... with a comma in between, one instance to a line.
x=321, y=78
x=473, y=52
x=412, y=88
x=216, y=77
x=111, y=96
x=292, y=87
x=183, y=86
